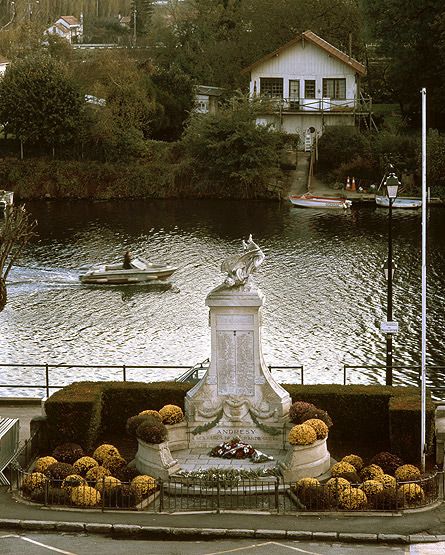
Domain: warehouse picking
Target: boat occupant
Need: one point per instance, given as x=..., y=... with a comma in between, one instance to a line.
x=127, y=261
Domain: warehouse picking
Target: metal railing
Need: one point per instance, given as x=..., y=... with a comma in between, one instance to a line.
x=46, y=367
x=344, y=105
x=417, y=368
x=269, y=495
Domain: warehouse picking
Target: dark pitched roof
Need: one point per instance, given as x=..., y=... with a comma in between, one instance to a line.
x=318, y=41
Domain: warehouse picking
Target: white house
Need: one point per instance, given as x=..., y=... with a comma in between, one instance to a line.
x=68, y=27
x=3, y=65
x=308, y=84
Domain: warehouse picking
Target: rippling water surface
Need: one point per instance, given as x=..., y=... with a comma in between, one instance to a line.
x=325, y=291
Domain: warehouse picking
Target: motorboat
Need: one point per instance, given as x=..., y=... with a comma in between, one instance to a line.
x=141, y=271
x=6, y=199
x=311, y=201
x=399, y=202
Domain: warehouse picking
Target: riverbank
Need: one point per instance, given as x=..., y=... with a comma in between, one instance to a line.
x=158, y=178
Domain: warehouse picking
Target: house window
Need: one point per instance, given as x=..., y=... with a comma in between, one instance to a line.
x=334, y=88
x=294, y=94
x=309, y=88
x=272, y=87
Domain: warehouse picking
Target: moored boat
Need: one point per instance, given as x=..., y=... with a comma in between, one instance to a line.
x=115, y=274
x=312, y=201
x=399, y=202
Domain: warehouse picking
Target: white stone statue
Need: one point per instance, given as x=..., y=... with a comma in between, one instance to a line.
x=240, y=266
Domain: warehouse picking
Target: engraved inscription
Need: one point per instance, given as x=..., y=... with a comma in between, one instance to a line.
x=226, y=362
x=245, y=370
x=235, y=320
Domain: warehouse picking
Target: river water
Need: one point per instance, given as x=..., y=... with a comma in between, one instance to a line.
x=322, y=279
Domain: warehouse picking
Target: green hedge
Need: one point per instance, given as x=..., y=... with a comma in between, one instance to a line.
x=365, y=417
x=404, y=418
x=74, y=413
x=119, y=403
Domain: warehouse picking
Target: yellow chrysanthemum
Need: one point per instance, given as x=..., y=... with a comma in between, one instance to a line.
x=302, y=434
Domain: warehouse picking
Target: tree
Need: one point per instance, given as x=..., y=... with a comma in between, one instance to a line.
x=39, y=102
x=230, y=153
x=175, y=92
x=15, y=232
x=214, y=41
x=144, y=12
x=410, y=35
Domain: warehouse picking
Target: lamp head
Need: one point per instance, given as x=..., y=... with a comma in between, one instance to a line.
x=392, y=186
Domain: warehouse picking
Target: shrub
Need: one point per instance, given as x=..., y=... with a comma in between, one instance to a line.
x=150, y=412
x=107, y=483
x=34, y=481
x=407, y=473
x=319, y=426
x=171, y=414
x=85, y=496
x=304, y=483
x=51, y=495
x=352, y=499
x=371, y=472
x=115, y=464
x=371, y=487
x=43, y=462
x=410, y=495
x=143, y=485
x=104, y=451
x=154, y=432
x=311, y=494
x=387, y=462
x=339, y=145
x=355, y=460
x=120, y=496
x=334, y=487
x=386, y=499
x=300, y=411
x=302, y=434
x=134, y=422
x=344, y=470
x=59, y=471
x=84, y=464
x=68, y=452
x=388, y=481
x=97, y=472
x=72, y=481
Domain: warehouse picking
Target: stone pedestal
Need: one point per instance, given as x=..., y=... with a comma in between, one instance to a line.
x=306, y=461
x=155, y=460
x=237, y=396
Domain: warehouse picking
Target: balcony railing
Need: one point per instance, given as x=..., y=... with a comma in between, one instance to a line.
x=319, y=105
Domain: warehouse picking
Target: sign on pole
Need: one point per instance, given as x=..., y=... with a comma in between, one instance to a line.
x=389, y=327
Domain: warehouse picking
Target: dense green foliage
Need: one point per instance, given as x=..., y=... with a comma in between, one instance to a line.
x=231, y=152
x=85, y=412
x=344, y=151
x=39, y=102
x=410, y=40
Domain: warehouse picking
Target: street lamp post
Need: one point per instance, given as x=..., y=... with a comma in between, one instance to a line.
x=392, y=184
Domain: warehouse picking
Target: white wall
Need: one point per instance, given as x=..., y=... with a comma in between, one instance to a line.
x=304, y=62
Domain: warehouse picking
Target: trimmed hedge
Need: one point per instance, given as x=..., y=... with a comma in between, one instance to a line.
x=135, y=397
x=74, y=415
x=365, y=416
x=404, y=418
